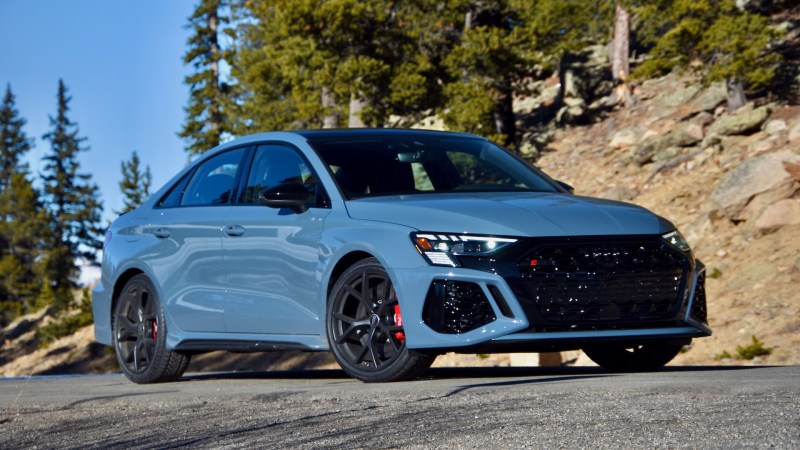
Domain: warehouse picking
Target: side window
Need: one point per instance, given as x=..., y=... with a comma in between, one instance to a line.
x=213, y=181
x=277, y=164
x=173, y=197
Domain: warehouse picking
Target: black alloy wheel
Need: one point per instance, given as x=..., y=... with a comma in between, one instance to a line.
x=140, y=335
x=365, y=327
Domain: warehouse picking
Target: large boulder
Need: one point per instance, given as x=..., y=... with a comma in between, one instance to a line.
x=745, y=191
x=685, y=135
x=680, y=95
x=773, y=127
x=711, y=97
x=794, y=132
x=782, y=213
x=743, y=122
x=628, y=137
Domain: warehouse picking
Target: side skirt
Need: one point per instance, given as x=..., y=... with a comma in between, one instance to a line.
x=239, y=346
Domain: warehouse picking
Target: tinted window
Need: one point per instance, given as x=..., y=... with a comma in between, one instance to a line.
x=214, y=180
x=173, y=197
x=473, y=172
x=403, y=164
x=274, y=165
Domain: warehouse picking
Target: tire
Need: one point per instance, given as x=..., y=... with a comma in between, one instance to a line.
x=140, y=335
x=365, y=329
x=641, y=358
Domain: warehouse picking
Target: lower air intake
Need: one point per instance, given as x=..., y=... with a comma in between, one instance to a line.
x=698, y=311
x=455, y=307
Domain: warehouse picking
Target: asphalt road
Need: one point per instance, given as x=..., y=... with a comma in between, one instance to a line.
x=696, y=407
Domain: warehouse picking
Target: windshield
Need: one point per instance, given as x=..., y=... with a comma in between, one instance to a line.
x=402, y=165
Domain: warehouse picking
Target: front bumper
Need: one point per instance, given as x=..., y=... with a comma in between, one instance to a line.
x=517, y=318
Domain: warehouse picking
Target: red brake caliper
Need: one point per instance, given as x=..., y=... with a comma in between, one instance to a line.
x=155, y=330
x=398, y=320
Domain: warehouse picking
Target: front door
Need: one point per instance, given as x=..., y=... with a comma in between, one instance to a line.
x=271, y=255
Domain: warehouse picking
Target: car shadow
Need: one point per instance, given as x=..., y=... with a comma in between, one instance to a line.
x=445, y=373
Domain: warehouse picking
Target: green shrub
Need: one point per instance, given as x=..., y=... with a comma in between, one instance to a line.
x=723, y=355
x=66, y=325
x=9, y=311
x=747, y=352
x=756, y=348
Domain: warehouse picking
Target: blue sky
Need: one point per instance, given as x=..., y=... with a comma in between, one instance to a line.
x=122, y=62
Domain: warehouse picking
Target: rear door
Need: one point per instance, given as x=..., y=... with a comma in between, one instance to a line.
x=187, y=258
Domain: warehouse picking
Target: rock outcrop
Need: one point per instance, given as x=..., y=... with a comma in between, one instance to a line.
x=745, y=121
x=780, y=214
x=745, y=191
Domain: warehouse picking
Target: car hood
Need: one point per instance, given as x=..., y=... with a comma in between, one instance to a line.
x=510, y=214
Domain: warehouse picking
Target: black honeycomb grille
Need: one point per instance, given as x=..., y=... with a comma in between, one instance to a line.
x=455, y=307
x=589, y=283
x=699, y=311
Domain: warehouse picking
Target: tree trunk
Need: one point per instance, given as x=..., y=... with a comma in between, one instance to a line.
x=468, y=20
x=356, y=107
x=330, y=119
x=562, y=69
x=503, y=115
x=736, y=97
x=620, y=61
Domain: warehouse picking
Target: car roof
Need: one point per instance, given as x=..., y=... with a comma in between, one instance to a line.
x=335, y=134
x=338, y=133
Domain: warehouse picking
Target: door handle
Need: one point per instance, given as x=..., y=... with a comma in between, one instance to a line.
x=234, y=230
x=161, y=232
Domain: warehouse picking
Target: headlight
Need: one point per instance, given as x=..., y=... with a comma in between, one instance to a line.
x=676, y=239
x=439, y=249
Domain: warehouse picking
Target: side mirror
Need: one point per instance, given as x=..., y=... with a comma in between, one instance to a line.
x=566, y=187
x=288, y=195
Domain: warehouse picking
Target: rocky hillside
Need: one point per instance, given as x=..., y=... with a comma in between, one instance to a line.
x=731, y=182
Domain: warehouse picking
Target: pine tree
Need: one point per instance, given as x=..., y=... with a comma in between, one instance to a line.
x=13, y=142
x=485, y=66
x=728, y=42
x=426, y=31
x=264, y=94
x=135, y=184
x=24, y=233
x=289, y=66
x=311, y=64
x=736, y=49
x=504, y=44
x=73, y=201
x=206, y=122
x=23, y=226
